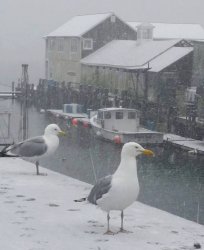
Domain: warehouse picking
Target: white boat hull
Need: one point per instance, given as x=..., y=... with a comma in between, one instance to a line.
x=143, y=136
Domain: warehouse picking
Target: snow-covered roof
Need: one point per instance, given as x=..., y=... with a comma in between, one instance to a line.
x=79, y=25
x=169, y=57
x=130, y=54
x=175, y=31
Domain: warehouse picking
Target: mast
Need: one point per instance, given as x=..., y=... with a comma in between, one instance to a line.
x=24, y=103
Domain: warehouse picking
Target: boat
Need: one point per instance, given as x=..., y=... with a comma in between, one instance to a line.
x=71, y=110
x=73, y=113
x=122, y=125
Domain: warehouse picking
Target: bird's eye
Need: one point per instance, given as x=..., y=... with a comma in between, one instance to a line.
x=55, y=129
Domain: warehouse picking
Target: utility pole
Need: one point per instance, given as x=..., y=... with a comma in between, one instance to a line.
x=24, y=102
x=13, y=89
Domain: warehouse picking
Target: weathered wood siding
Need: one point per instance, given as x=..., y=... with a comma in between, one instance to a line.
x=108, y=31
x=63, y=65
x=198, y=63
x=178, y=74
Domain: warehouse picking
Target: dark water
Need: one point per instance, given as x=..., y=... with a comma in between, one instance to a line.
x=172, y=180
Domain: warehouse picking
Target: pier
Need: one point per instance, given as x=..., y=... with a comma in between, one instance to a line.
x=185, y=143
x=38, y=212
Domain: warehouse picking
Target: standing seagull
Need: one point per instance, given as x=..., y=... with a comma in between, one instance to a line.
x=120, y=190
x=36, y=147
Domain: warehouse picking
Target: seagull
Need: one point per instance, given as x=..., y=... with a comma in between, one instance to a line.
x=120, y=190
x=36, y=147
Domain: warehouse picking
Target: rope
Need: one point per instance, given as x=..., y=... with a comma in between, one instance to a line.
x=93, y=167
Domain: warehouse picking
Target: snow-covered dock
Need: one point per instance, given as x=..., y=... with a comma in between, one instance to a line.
x=38, y=213
x=185, y=143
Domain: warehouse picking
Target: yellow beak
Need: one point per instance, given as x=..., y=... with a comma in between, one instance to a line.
x=61, y=133
x=148, y=152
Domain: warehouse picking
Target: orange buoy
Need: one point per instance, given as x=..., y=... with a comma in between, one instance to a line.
x=74, y=122
x=85, y=124
x=117, y=139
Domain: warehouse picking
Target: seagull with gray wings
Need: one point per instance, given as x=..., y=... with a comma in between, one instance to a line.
x=120, y=190
x=37, y=147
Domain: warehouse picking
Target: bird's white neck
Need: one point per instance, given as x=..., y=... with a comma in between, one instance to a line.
x=50, y=136
x=52, y=142
x=128, y=166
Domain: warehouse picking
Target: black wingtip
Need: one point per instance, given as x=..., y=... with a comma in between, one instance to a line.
x=80, y=200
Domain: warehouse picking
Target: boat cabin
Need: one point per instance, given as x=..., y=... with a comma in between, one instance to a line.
x=119, y=119
x=73, y=108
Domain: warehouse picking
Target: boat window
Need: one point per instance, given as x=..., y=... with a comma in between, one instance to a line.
x=79, y=109
x=100, y=115
x=107, y=115
x=131, y=115
x=68, y=109
x=119, y=115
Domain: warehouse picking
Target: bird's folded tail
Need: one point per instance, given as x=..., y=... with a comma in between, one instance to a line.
x=80, y=200
x=5, y=150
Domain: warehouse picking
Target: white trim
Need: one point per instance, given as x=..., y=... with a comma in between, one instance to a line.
x=86, y=45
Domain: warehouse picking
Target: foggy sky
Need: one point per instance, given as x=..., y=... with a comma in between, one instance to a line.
x=23, y=23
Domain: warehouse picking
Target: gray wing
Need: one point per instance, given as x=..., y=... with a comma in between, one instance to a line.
x=35, y=146
x=100, y=188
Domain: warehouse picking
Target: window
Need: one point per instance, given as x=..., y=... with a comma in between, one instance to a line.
x=60, y=44
x=73, y=46
x=79, y=109
x=119, y=115
x=87, y=44
x=69, y=109
x=51, y=44
x=131, y=115
x=107, y=115
x=100, y=115
x=146, y=34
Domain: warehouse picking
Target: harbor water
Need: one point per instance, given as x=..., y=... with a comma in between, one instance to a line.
x=172, y=180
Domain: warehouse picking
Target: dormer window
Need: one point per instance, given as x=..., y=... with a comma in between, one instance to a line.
x=87, y=44
x=145, y=31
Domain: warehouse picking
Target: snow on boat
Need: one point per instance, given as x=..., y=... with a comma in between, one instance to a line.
x=122, y=125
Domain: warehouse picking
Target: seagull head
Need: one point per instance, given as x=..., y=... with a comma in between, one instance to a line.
x=134, y=149
x=53, y=129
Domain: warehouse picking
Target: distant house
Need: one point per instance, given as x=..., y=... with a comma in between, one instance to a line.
x=79, y=37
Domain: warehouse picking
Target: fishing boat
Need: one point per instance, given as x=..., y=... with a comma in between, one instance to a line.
x=71, y=110
x=122, y=125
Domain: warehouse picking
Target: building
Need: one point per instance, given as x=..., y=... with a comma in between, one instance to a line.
x=126, y=64
x=193, y=33
x=166, y=31
x=76, y=39
x=154, y=72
